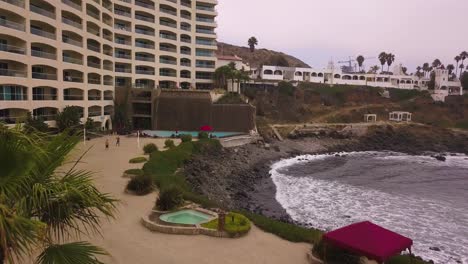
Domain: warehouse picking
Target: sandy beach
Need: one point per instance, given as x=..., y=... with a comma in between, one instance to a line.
x=128, y=241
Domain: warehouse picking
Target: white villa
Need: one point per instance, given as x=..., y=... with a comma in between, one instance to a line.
x=334, y=75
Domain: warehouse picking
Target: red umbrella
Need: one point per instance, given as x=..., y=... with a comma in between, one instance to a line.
x=206, y=128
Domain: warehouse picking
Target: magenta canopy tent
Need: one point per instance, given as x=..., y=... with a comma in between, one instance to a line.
x=206, y=128
x=370, y=240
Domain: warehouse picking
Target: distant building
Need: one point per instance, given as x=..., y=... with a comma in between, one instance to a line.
x=444, y=86
x=224, y=60
x=334, y=75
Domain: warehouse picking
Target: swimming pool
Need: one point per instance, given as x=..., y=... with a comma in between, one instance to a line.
x=168, y=134
x=187, y=217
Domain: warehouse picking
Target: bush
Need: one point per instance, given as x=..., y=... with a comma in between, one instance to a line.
x=134, y=172
x=169, y=143
x=141, y=184
x=150, y=148
x=186, y=138
x=138, y=160
x=286, y=231
x=170, y=198
x=335, y=254
x=203, y=135
x=240, y=225
x=207, y=146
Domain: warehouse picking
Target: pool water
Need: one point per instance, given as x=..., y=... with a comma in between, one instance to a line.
x=167, y=134
x=188, y=217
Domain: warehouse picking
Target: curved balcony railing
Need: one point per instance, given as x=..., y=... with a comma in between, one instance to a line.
x=72, y=4
x=73, y=97
x=12, y=24
x=13, y=73
x=44, y=97
x=15, y=2
x=12, y=49
x=72, y=60
x=43, y=54
x=72, y=23
x=166, y=61
x=44, y=76
x=41, y=11
x=42, y=33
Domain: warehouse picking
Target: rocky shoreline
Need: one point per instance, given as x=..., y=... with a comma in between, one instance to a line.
x=239, y=178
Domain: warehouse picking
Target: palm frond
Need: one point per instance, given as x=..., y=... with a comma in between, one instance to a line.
x=71, y=253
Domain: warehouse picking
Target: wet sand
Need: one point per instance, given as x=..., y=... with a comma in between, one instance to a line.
x=128, y=241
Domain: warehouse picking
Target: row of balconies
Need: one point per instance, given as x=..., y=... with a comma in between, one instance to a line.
x=46, y=9
x=46, y=93
x=14, y=115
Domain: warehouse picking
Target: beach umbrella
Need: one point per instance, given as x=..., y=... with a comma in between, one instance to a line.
x=206, y=128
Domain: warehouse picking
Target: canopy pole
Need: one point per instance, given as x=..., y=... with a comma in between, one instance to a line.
x=324, y=252
x=410, y=256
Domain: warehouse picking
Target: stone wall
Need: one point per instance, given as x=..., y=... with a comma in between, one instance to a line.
x=189, y=110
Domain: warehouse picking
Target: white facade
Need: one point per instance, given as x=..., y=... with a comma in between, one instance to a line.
x=332, y=75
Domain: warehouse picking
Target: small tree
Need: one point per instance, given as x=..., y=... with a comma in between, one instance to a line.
x=150, y=148
x=170, y=198
x=252, y=42
x=186, y=138
x=69, y=118
x=35, y=124
x=464, y=80
x=89, y=125
x=169, y=143
x=360, y=60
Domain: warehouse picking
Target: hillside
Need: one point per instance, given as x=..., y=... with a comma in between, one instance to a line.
x=320, y=103
x=259, y=56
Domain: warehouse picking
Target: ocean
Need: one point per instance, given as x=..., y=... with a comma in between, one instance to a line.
x=417, y=196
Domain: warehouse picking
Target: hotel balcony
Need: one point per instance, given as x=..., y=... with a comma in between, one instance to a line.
x=44, y=72
x=73, y=76
x=43, y=51
x=70, y=56
x=44, y=93
x=42, y=8
x=13, y=69
x=94, y=95
x=13, y=93
x=72, y=38
x=73, y=94
x=76, y=4
x=12, y=115
x=12, y=20
x=12, y=44
x=18, y=3
x=42, y=29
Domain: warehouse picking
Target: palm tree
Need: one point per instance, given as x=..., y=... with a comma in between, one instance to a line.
x=425, y=68
x=404, y=70
x=374, y=69
x=436, y=63
x=222, y=74
x=463, y=56
x=462, y=67
x=418, y=71
x=42, y=207
x=252, y=42
x=383, y=59
x=390, y=59
x=457, y=59
x=450, y=68
x=360, y=60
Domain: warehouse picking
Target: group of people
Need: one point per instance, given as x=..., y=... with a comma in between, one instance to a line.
x=117, y=142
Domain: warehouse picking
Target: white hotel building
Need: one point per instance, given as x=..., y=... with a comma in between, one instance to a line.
x=333, y=75
x=57, y=53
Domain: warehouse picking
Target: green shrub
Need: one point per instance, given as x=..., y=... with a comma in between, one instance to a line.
x=169, y=143
x=207, y=146
x=334, y=254
x=203, y=135
x=163, y=167
x=150, y=148
x=135, y=172
x=170, y=198
x=186, y=138
x=239, y=226
x=141, y=184
x=286, y=231
x=138, y=160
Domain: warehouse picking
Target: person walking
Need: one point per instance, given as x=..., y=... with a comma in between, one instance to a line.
x=107, y=144
x=117, y=142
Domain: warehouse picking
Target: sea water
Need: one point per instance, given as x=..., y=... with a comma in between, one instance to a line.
x=417, y=196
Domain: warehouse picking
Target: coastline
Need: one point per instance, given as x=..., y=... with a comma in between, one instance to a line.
x=239, y=178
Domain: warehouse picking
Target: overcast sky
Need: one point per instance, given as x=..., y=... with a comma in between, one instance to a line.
x=416, y=31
